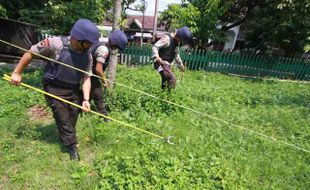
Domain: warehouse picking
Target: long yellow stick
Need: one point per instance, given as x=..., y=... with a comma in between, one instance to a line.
x=8, y=78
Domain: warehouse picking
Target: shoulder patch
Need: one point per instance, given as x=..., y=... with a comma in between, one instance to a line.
x=103, y=51
x=44, y=42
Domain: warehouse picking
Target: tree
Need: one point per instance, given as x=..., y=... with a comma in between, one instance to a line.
x=200, y=15
x=57, y=15
x=126, y=5
x=2, y=12
x=142, y=8
x=265, y=24
x=180, y=15
x=282, y=24
x=117, y=8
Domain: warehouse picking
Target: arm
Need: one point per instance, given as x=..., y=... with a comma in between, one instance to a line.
x=46, y=47
x=100, y=72
x=99, y=69
x=179, y=60
x=16, y=76
x=101, y=54
x=155, y=54
x=86, y=92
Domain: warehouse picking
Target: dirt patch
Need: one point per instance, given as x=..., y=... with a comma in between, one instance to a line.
x=38, y=113
x=4, y=181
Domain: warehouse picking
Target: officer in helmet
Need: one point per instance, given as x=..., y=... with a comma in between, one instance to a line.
x=165, y=50
x=101, y=52
x=62, y=81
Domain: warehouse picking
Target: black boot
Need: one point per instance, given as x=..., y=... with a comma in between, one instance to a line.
x=74, y=154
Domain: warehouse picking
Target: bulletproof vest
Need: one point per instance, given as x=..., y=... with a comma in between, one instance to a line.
x=64, y=76
x=168, y=53
x=92, y=50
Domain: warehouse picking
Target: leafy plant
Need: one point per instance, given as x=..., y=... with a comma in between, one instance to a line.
x=208, y=153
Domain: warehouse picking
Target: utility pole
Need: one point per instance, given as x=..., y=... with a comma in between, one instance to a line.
x=142, y=9
x=155, y=20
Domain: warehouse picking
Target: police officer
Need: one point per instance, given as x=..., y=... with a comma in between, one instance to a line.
x=165, y=50
x=62, y=81
x=101, y=52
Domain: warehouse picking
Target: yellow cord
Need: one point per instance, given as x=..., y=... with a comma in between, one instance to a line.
x=8, y=78
x=167, y=101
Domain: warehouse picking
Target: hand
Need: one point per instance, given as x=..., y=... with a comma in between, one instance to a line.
x=182, y=68
x=159, y=60
x=165, y=63
x=105, y=83
x=16, y=79
x=86, y=106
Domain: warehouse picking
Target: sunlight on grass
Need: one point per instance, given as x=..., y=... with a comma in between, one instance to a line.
x=207, y=154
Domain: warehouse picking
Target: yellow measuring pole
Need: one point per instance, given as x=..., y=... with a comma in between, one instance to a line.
x=8, y=78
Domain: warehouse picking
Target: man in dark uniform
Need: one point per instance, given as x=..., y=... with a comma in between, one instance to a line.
x=62, y=81
x=165, y=50
x=101, y=52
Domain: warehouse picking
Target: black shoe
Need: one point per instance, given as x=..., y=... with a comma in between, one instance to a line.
x=74, y=155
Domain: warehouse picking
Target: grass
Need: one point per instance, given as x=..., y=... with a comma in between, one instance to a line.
x=207, y=154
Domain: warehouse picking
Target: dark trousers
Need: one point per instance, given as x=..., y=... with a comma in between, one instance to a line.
x=64, y=114
x=167, y=77
x=96, y=94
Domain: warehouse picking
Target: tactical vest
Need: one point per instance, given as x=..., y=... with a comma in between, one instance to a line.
x=92, y=50
x=168, y=53
x=63, y=76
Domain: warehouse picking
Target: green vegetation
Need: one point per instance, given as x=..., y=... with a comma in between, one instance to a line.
x=265, y=25
x=207, y=154
x=56, y=16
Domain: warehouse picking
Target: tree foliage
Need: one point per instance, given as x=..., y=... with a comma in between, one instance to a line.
x=58, y=15
x=283, y=24
x=200, y=15
x=180, y=15
x=2, y=12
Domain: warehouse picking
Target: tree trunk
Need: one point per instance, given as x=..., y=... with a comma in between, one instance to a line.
x=117, y=8
x=143, y=12
x=155, y=21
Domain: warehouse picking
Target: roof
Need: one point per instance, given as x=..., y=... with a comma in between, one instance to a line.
x=137, y=20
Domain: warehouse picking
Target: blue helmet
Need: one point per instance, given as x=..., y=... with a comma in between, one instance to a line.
x=119, y=39
x=185, y=34
x=84, y=29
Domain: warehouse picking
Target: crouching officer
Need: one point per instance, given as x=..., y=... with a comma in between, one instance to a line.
x=165, y=50
x=101, y=52
x=62, y=81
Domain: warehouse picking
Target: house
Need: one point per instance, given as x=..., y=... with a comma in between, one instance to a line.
x=139, y=29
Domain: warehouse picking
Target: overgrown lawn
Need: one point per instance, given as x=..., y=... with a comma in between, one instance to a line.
x=208, y=153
